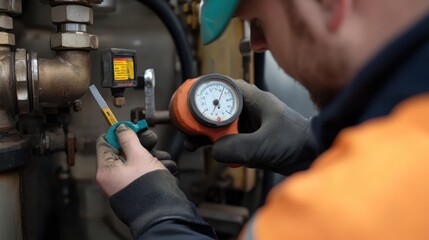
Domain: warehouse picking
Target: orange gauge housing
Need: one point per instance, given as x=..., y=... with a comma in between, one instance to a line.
x=183, y=115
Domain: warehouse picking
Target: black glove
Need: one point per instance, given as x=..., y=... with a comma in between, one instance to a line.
x=271, y=135
x=192, y=143
x=148, y=140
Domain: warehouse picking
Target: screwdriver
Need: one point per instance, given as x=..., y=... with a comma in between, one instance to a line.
x=107, y=113
x=111, y=137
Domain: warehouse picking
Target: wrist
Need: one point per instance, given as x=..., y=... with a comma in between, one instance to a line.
x=151, y=199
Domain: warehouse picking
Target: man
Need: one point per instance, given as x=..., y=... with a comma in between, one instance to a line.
x=365, y=64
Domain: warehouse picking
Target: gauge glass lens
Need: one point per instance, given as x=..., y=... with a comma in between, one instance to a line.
x=217, y=101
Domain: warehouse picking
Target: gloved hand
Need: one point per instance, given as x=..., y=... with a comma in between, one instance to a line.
x=148, y=140
x=271, y=135
x=115, y=170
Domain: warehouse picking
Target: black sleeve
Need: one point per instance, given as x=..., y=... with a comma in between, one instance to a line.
x=176, y=230
x=154, y=207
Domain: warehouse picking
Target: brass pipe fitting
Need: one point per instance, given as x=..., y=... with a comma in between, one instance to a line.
x=64, y=78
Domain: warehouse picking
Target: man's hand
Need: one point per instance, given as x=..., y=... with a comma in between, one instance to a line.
x=117, y=170
x=271, y=135
x=148, y=140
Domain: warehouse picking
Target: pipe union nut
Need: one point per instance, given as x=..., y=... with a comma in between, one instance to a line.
x=7, y=39
x=72, y=14
x=6, y=22
x=12, y=7
x=22, y=94
x=70, y=41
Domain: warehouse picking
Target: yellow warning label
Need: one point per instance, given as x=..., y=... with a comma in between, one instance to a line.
x=123, y=69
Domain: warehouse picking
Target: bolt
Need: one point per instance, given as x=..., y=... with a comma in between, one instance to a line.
x=7, y=39
x=77, y=105
x=70, y=40
x=119, y=102
x=6, y=22
x=12, y=7
x=72, y=14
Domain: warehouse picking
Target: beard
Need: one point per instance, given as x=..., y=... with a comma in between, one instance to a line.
x=321, y=68
x=322, y=96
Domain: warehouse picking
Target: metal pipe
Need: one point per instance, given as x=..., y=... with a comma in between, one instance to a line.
x=7, y=86
x=73, y=27
x=7, y=101
x=64, y=78
x=14, y=150
x=10, y=205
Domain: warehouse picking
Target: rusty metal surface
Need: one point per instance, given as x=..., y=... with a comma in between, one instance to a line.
x=10, y=206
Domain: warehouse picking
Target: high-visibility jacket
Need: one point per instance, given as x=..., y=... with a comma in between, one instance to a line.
x=373, y=183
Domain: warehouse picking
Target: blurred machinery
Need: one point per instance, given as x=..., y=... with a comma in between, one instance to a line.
x=49, y=123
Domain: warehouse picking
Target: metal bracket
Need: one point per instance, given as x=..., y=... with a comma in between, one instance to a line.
x=148, y=112
x=246, y=51
x=149, y=92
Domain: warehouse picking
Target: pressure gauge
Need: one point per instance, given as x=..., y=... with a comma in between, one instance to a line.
x=215, y=100
x=209, y=105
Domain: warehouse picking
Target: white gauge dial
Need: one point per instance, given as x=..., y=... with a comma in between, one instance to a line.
x=216, y=101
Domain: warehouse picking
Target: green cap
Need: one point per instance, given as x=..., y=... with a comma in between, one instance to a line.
x=214, y=18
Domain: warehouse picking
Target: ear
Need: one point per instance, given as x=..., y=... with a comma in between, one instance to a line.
x=337, y=10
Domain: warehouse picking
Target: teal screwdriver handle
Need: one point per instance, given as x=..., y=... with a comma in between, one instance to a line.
x=111, y=137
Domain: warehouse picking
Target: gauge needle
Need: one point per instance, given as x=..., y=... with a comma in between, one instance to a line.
x=216, y=101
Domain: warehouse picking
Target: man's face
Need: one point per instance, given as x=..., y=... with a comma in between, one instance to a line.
x=299, y=45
